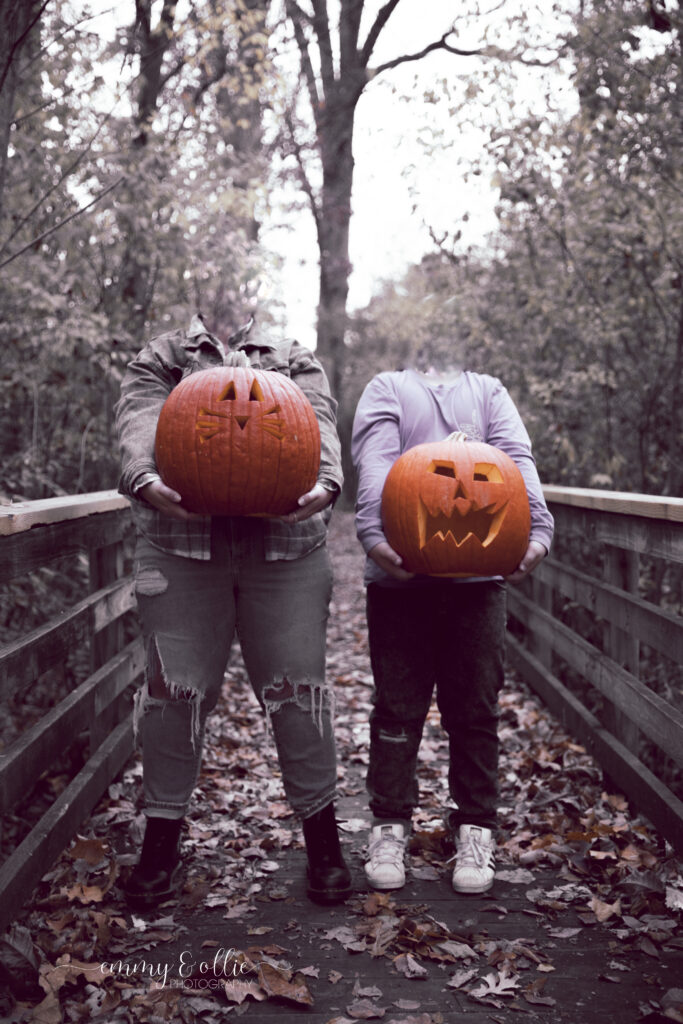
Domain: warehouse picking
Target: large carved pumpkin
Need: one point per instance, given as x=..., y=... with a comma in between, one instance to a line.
x=456, y=508
x=233, y=440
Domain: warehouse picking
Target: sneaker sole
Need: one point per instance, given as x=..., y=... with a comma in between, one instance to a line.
x=474, y=890
x=385, y=886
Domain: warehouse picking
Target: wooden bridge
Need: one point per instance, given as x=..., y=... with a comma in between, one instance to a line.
x=596, y=633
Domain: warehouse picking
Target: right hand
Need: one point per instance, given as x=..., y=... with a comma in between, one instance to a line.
x=389, y=560
x=166, y=500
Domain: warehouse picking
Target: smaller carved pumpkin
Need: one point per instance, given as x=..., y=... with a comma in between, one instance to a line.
x=233, y=440
x=456, y=508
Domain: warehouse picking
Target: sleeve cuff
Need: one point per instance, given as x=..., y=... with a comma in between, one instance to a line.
x=141, y=481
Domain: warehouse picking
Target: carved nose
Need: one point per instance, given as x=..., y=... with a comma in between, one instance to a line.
x=241, y=421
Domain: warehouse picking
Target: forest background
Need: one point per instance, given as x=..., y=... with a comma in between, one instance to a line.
x=119, y=218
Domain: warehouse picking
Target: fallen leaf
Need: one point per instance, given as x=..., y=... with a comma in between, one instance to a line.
x=48, y=1011
x=363, y=1009
x=237, y=991
x=564, y=933
x=410, y=967
x=518, y=876
x=461, y=978
x=283, y=984
x=87, y=893
x=458, y=950
x=92, y=851
x=533, y=994
x=495, y=985
x=604, y=911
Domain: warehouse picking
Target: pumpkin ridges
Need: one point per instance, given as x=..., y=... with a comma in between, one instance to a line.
x=237, y=471
x=278, y=481
x=416, y=500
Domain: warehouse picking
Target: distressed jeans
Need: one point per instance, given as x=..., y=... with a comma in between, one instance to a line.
x=426, y=634
x=190, y=611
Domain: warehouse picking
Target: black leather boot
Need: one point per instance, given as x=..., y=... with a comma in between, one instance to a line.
x=329, y=879
x=157, y=875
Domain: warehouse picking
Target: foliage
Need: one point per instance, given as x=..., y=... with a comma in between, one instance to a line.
x=577, y=303
x=121, y=216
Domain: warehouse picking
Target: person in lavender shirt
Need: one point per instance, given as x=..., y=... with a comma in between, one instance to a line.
x=427, y=632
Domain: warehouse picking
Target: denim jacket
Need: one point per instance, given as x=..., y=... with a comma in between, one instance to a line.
x=149, y=379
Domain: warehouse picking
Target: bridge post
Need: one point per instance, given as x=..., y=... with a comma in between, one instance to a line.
x=621, y=569
x=106, y=566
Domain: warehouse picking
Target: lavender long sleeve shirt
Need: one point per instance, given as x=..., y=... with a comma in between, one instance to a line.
x=401, y=409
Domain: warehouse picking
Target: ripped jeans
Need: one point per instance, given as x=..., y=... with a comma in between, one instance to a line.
x=190, y=612
x=425, y=634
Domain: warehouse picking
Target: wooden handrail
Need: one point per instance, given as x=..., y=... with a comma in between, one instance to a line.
x=621, y=502
x=616, y=705
x=97, y=710
x=23, y=515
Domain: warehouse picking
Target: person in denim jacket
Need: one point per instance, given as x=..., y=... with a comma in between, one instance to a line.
x=201, y=579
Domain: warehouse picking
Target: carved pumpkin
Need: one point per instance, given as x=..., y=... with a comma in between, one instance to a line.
x=237, y=441
x=456, y=508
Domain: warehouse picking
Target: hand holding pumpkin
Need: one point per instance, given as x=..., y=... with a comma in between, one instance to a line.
x=534, y=554
x=166, y=500
x=389, y=560
x=313, y=501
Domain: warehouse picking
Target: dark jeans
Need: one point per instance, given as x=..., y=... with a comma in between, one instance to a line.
x=422, y=634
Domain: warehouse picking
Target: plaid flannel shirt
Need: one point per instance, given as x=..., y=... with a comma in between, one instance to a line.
x=149, y=379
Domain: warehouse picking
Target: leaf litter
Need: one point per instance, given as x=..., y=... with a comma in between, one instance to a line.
x=610, y=870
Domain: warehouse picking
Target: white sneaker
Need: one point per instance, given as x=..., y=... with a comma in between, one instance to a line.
x=384, y=867
x=475, y=859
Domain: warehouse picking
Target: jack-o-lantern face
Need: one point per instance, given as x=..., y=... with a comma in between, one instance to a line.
x=251, y=409
x=456, y=508
x=237, y=441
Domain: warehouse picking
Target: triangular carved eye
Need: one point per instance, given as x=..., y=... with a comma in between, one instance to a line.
x=443, y=469
x=489, y=472
x=229, y=395
x=256, y=393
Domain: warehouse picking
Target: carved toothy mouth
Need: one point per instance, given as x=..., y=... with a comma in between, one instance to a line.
x=481, y=524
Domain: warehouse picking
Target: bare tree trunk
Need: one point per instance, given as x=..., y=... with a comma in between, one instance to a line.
x=134, y=292
x=336, y=133
x=18, y=25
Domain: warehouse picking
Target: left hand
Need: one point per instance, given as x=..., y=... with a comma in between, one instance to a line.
x=535, y=553
x=314, y=501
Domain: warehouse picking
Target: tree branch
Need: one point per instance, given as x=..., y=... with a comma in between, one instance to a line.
x=65, y=174
x=321, y=27
x=373, y=35
x=439, y=44
x=297, y=17
x=303, y=176
x=349, y=28
x=18, y=43
x=60, y=224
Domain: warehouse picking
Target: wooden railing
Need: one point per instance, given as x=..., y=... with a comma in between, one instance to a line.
x=623, y=534
x=597, y=652
x=32, y=536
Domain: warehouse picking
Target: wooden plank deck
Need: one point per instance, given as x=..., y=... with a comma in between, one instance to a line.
x=564, y=970
x=576, y=930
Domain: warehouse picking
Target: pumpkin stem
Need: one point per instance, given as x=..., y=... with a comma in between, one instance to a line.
x=457, y=435
x=236, y=359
